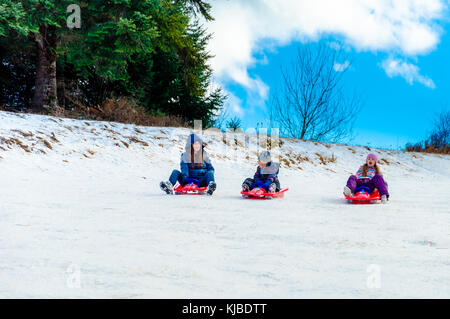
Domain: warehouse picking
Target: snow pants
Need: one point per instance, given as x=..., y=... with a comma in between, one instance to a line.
x=176, y=176
x=376, y=182
x=251, y=181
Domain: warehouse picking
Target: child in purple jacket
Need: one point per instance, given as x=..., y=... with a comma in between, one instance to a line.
x=368, y=175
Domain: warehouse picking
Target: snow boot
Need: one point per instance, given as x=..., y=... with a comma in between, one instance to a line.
x=348, y=191
x=167, y=187
x=272, y=188
x=211, y=188
x=384, y=199
x=245, y=188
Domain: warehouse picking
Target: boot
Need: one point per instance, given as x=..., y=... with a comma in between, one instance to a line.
x=167, y=187
x=272, y=188
x=348, y=191
x=211, y=188
x=245, y=188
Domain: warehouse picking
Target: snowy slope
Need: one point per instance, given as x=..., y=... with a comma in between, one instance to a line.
x=82, y=215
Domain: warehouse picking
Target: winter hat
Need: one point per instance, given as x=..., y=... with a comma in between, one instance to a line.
x=371, y=155
x=265, y=157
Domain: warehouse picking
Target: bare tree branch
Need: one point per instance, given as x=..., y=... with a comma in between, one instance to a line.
x=311, y=105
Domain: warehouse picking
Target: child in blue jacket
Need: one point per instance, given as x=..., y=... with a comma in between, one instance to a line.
x=194, y=163
x=266, y=174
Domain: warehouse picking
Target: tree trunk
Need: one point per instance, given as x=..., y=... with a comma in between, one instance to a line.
x=45, y=93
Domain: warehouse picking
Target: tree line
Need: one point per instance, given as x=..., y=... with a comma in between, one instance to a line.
x=149, y=52
x=439, y=139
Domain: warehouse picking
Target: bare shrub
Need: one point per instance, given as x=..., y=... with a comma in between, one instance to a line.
x=134, y=139
x=14, y=141
x=122, y=110
x=53, y=138
x=284, y=161
x=24, y=134
x=439, y=139
x=312, y=104
x=324, y=159
x=46, y=143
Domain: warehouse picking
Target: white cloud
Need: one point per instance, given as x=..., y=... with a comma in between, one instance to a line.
x=243, y=28
x=410, y=72
x=233, y=105
x=341, y=67
x=335, y=45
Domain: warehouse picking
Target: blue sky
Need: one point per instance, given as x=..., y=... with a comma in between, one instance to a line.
x=394, y=112
x=401, y=69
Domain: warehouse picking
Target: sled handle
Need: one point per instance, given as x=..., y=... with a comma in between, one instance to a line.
x=258, y=184
x=363, y=188
x=192, y=181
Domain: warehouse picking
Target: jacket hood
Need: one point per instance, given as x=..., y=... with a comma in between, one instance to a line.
x=192, y=138
x=186, y=156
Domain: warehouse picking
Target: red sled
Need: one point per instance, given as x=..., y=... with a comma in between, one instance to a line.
x=364, y=196
x=191, y=188
x=260, y=193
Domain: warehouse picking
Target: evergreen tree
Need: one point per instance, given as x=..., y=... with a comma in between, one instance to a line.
x=151, y=50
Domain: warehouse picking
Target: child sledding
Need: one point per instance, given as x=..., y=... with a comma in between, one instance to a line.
x=368, y=185
x=197, y=173
x=265, y=183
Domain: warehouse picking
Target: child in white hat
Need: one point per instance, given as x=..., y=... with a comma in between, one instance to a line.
x=266, y=175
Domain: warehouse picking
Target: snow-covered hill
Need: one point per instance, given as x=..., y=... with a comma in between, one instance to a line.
x=82, y=215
